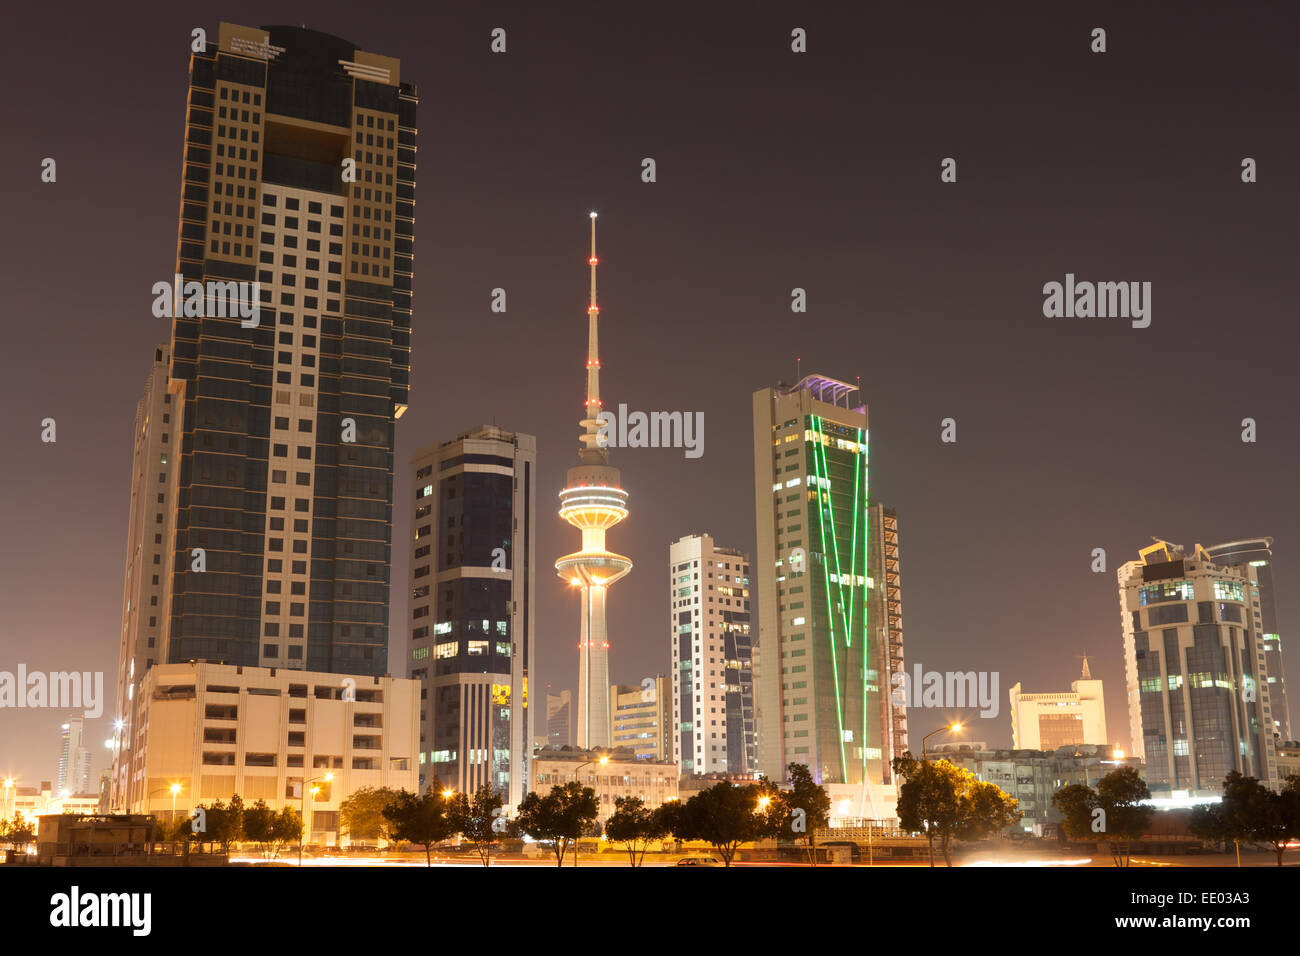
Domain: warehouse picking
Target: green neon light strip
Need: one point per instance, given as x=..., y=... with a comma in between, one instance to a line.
x=860, y=502
x=830, y=613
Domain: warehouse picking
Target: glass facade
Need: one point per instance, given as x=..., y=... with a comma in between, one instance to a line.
x=844, y=686
x=285, y=457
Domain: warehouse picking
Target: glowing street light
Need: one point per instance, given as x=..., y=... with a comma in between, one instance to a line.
x=302, y=812
x=952, y=727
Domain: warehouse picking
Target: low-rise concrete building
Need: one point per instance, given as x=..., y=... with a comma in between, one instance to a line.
x=1032, y=776
x=209, y=731
x=622, y=775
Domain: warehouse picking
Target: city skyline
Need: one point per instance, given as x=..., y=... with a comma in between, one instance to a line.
x=1021, y=450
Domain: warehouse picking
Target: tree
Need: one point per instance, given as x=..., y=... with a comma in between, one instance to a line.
x=1252, y=813
x=479, y=822
x=928, y=800
x=636, y=826
x=1076, y=805
x=724, y=816
x=272, y=831
x=950, y=803
x=420, y=819
x=984, y=810
x=230, y=824
x=800, y=811
x=18, y=833
x=1112, y=814
x=222, y=825
x=362, y=813
x=1126, y=818
x=1209, y=823
x=561, y=817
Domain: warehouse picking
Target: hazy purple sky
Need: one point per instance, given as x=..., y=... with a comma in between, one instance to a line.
x=775, y=170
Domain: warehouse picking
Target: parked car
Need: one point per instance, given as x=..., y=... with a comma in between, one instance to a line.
x=699, y=861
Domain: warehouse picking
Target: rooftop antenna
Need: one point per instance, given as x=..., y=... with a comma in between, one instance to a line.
x=1087, y=675
x=798, y=369
x=592, y=451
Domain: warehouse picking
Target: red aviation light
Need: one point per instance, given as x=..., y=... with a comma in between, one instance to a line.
x=592, y=308
x=592, y=261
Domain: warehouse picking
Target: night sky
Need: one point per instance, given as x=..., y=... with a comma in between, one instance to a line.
x=775, y=170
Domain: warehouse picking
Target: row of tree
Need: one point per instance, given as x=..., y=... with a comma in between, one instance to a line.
x=725, y=816
x=1253, y=814
x=1114, y=814
x=226, y=824
x=944, y=802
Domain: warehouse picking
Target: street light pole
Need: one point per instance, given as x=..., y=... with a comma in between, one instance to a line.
x=953, y=727
x=604, y=759
x=924, y=759
x=302, y=812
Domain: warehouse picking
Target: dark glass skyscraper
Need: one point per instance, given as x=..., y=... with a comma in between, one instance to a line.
x=299, y=184
x=1258, y=554
x=1193, y=666
x=472, y=575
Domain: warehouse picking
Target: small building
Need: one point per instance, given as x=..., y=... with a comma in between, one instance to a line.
x=93, y=839
x=1032, y=776
x=621, y=775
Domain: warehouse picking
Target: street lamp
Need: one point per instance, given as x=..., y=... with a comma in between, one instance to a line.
x=302, y=813
x=175, y=789
x=9, y=788
x=952, y=727
x=604, y=759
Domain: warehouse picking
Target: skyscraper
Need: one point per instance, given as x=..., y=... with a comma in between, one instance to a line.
x=1258, y=554
x=299, y=175
x=1198, y=701
x=823, y=664
x=713, y=677
x=593, y=501
x=1048, y=721
x=268, y=420
x=472, y=577
x=74, y=757
x=559, y=724
x=144, y=618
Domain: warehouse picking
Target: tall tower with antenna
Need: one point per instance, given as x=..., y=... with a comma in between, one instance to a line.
x=593, y=501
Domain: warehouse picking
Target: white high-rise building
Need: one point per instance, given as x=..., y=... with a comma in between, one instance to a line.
x=1048, y=721
x=74, y=757
x=713, y=678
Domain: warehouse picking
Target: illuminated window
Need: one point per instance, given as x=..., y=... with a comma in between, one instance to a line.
x=444, y=651
x=1228, y=591
x=1166, y=591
